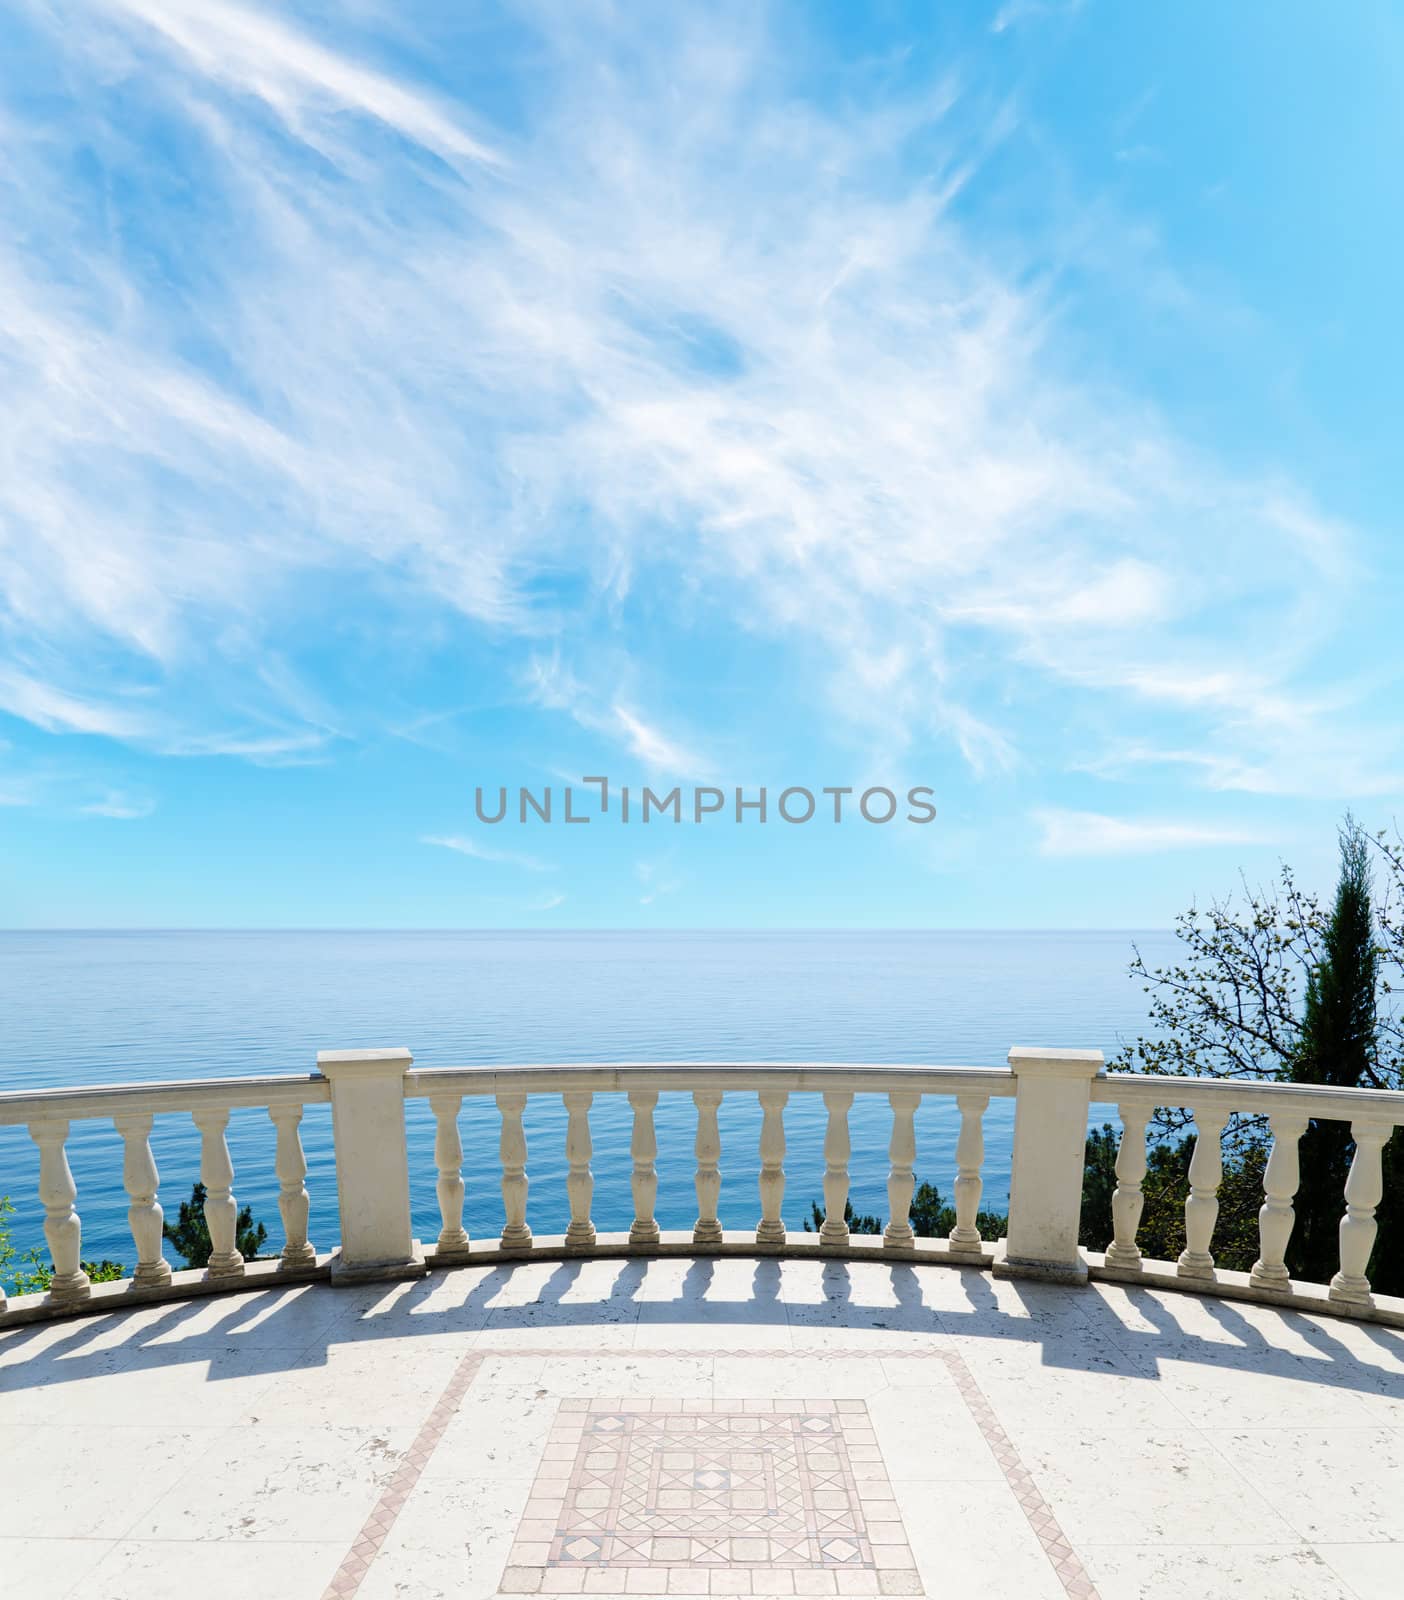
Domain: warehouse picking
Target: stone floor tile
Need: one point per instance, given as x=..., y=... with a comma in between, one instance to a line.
x=159, y=1386
x=1253, y=1390
x=279, y=1484
x=48, y=1569
x=59, y=1480
x=1329, y=1484
x=374, y=1386
x=1168, y=1483
x=1218, y=1572
x=227, y=1570
x=453, y=1538
x=979, y=1544
x=1369, y=1571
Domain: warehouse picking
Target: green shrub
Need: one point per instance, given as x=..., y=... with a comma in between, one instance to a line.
x=34, y=1274
x=930, y=1217
x=190, y=1233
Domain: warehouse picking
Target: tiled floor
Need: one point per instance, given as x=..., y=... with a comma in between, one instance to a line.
x=703, y=1427
x=631, y=1486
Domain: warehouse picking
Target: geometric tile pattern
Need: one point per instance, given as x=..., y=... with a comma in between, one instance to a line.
x=741, y=1487
x=536, y=1569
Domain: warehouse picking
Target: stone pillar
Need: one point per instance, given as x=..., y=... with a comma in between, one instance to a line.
x=372, y=1165
x=1054, y=1091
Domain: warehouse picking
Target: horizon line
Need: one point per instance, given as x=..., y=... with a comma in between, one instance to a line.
x=634, y=928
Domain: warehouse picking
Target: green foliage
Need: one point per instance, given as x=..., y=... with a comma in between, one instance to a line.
x=1165, y=1189
x=40, y=1274
x=34, y=1274
x=856, y=1223
x=190, y=1233
x=1337, y=1046
x=930, y=1217
x=1272, y=987
x=1229, y=1008
x=1338, y=1042
x=1098, y=1186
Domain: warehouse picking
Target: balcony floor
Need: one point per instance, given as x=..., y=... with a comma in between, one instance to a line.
x=700, y=1426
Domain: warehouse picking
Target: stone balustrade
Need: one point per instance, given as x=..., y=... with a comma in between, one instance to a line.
x=132, y=1109
x=367, y=1089
x=1373, y=1114
x=706, y=1085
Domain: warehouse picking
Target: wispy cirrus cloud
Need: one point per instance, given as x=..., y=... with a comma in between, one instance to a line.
x=1089, y=833
x=657, y=877
x=554, y=686
x=508, y=372
x=462, y=845
x=307, y=85
x=119, y=807
x=1014, y=12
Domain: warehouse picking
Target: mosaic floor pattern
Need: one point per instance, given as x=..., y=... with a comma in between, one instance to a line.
x=749, y=1486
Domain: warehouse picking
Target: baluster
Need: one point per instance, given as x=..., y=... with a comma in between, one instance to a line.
x=970, y=1158
x=708, y=1230
x=834, y=1231
x=901, y=1153
x=771, y=1227
x=1276, y=1218
x=448, y=1158
x=1128, y=1201
x=1202, y=1206
x=290, y=1167
x=1363, y=1189
x=580, y=1183
x=221, y=1208
x=512, y=1149
x=144, y=1215
x=62, y=1228
x=643, y=1147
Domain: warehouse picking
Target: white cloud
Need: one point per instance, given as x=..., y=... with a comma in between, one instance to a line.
x=1014, y=12
x=119, y=806
x=503, y=381
x=554, y=686
x=262, y=749
x=254, y=54
x=1088, y=833
x=654, y=748
x=465, y=846
x=657, y=878
x=58, y=711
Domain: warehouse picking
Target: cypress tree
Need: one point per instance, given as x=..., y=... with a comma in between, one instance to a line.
x=1337, y=1047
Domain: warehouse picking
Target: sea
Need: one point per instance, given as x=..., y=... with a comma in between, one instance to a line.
x=135, y=1007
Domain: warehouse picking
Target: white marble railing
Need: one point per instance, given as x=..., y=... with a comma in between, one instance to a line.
x=1373, y=1115
x=132, y=1109
x=367, y=1089
x=771, y=1084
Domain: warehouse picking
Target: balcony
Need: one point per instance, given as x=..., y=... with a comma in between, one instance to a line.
x=719, y=1412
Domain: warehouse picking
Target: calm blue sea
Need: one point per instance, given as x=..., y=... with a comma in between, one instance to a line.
x=85, y=1008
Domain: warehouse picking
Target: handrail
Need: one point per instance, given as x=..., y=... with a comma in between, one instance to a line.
x=728, y=1076
x=1157, y=1090
x=186, y=1094
x=1153, y=1090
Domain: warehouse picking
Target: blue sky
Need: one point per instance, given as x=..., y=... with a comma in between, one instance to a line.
x=402, y=399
